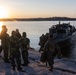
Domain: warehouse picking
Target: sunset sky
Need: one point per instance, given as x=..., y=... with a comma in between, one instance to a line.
x=37, y=8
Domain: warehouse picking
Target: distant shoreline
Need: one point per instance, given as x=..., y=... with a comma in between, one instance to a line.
x=39, y=19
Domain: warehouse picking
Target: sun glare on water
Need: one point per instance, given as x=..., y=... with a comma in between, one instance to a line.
x=3, y=12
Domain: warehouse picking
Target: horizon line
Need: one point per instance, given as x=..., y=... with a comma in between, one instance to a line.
x=35, y=17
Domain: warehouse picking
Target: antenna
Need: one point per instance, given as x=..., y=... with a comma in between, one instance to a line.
x=74, y=16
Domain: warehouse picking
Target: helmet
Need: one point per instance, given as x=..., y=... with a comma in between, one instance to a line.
x=24, y=33
x=3, y=26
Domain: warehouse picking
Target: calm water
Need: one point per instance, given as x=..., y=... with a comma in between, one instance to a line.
x=34, y=29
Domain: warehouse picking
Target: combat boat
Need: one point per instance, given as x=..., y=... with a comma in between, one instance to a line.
x=62, y=34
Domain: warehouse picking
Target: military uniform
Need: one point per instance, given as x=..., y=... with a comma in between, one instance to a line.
x=42, y=42
x=25, y=46
x=51, y=49
x=18, y=34
x=14, y=51
x=5, y=43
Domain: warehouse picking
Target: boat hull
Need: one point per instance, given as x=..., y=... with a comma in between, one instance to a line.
x=65, y=47
x=63, y=34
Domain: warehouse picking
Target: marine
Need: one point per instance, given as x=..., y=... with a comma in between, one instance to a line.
x=18, y=33
x=41, y=42
x=15, y=52
x=25, y=43
x=5, y=43
x=51, y=49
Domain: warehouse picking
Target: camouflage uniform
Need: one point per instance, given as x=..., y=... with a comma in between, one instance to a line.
x=18, y=34
x=5, y=43
x=25, y=46
x=14, y=51
x=51, y=49
x=42, y=42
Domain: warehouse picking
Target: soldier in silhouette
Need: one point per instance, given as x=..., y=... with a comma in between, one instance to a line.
x=51, y=49
x=25, y=42
x=18, y=33
x=5, y=43
x=15, y=52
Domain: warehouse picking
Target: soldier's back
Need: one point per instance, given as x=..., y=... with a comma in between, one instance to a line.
x=25, y=41
x=51, y=45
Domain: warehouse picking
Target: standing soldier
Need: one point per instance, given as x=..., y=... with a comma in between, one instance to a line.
x=43, y=38
x=41, y=42
x=51, y=49
x=5, y=43
x=14, y=51
x=25, y=46
x=18, y=33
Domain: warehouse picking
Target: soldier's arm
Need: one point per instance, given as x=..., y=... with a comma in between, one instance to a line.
x=28, y=43
x=46, y=46
x=39, y=41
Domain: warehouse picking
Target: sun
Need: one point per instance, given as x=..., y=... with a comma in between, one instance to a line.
x=3, y=12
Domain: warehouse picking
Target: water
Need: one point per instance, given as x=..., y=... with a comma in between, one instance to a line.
x=34, y=30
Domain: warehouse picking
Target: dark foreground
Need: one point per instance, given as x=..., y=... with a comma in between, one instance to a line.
x=62, y=66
